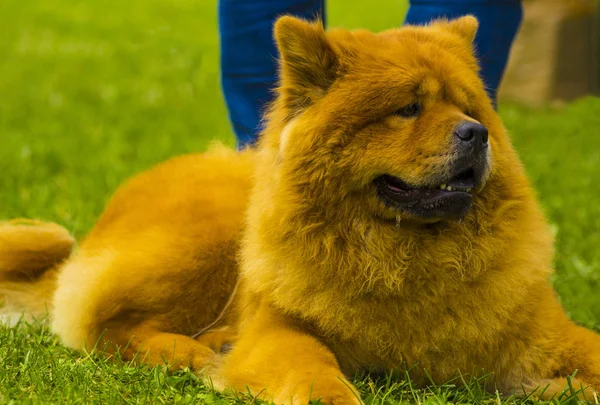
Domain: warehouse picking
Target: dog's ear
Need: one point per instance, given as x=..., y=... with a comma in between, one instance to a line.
x=308, y=61
x=465, y=27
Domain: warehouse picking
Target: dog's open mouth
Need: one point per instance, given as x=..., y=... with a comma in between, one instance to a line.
x=448, y=200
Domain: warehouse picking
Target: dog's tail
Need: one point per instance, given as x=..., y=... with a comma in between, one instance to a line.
x=31, y=253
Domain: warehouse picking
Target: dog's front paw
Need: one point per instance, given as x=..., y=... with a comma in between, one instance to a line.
x=327, y=391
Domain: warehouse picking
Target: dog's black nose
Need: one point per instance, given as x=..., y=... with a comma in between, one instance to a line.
x=468, y=131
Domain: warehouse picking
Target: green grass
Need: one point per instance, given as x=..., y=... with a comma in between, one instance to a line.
x=92, y=92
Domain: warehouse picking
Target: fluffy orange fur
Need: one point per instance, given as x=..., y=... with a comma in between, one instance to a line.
x=330, y=279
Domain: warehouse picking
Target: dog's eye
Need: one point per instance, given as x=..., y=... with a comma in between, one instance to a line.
x=409, y=111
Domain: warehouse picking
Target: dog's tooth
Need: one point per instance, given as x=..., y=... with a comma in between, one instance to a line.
x=468, y=190
x=449, y=188
x=443, y=186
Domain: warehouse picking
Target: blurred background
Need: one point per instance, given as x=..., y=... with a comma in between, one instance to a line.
x=94, y=91
x=556, y=56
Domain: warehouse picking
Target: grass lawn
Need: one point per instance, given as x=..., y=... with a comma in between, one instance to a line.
x=94, y=91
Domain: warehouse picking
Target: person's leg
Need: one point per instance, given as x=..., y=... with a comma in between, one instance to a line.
x=249, y=56
x=499, y=21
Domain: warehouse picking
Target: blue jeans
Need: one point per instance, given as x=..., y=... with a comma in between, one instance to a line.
x=249, y=56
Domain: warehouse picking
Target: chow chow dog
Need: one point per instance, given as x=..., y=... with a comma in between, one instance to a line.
x=384, y=219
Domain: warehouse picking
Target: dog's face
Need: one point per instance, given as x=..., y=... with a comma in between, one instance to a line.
x=396, y=122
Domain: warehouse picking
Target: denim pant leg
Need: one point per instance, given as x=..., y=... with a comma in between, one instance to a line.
x=499, y=21
x=249, y=57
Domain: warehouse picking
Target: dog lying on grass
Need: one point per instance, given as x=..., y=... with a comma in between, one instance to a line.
x=384, y=219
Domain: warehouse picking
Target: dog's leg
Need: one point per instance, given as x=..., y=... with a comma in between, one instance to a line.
x=176, y=351
x=149, y=345
x=578, y=353
x=277, y=361
x=582, y=353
